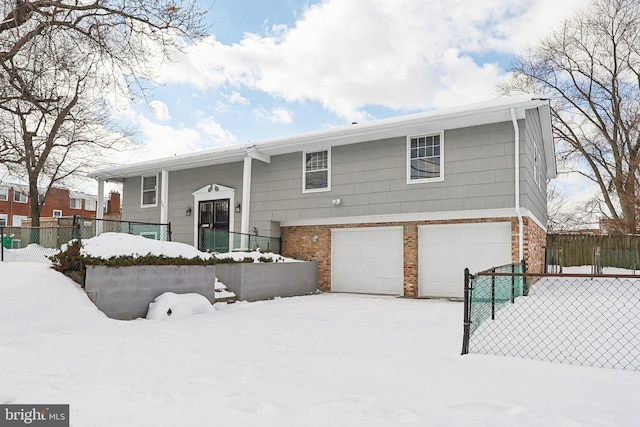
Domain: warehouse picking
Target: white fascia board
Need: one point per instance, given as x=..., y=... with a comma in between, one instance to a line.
x=417, y=216
x=495, y=111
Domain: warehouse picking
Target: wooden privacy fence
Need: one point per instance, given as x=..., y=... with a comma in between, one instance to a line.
x=568, y=250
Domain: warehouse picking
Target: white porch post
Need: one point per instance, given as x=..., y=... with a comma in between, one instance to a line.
x=100, y=207
x=246, y=202
x=164, y=200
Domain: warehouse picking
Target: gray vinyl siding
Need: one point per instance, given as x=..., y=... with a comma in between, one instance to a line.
x=534, y=198
x=132, y=202
x=181, y=186
x=370, y=179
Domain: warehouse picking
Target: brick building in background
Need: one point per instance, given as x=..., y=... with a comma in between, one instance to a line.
x=15, y=205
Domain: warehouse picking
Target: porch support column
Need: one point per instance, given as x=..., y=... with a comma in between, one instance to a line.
x=164, y=197
x=100, y=207
x=246, y=203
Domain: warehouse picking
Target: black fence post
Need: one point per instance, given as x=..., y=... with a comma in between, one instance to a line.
x=493, y=294
x=467, y=312
x=513, y=283
x=525, y=289
x=1, y=243
x=169, y=231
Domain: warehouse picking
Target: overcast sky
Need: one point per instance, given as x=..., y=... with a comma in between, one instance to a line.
x=281, y=67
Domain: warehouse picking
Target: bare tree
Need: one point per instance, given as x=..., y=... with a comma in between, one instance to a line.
x=590, y=68
x=63, y=66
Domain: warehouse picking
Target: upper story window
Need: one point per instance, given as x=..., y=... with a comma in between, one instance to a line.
x=149, y=191
x=316, y=171
x=4, y=194
x=90, y=204
x=424, y=158
x=20, y=197
x=75, y=203
x=3, y=220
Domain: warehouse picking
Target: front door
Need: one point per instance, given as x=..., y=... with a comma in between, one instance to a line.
x=213, y=225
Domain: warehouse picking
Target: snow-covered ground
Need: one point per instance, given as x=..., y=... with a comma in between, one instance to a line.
x=321, y=360
x=578, y=320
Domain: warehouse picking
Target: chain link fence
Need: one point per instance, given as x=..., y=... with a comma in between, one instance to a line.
x=580, y=319
x=37, y=244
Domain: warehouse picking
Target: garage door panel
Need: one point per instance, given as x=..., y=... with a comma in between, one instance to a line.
x=445, y=250
x=367, y=260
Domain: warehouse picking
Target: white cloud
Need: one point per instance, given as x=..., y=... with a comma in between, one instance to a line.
x=236, y=98
x=277, y=115
x=160, y=110
x=215, y=132
x=402, y=54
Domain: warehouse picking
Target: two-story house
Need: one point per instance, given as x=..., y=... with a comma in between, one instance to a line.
x=397, y=206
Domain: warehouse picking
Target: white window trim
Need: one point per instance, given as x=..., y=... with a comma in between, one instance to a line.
x=4, y=196
x=142, y=205
x=71, y=204
x=408, y=156
x=54, y=213
x=20, y=192
x=304, y=171
x=6, y=219
x=90, y=204
x=16, y=221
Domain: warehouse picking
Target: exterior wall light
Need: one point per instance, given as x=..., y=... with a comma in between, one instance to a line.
x=188, y=212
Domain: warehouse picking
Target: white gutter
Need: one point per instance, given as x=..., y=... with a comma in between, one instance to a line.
x=516, y=131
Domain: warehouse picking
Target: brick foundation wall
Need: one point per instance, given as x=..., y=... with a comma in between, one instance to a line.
x=535, y=239
x=313, y=243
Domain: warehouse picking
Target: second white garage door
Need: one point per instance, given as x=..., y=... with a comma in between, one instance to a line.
x=367, y=260
x=445, y=250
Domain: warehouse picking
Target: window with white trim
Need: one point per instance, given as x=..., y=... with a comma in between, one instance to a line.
x=20, y=197
x=90, y=204
x=3, y=220
x=17, y=220
x=424, y=158
x=316, y=171
x=75, y=203
x=4, y=194
x=57, y=213
x=150, y=191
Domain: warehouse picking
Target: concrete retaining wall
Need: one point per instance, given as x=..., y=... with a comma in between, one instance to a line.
x=125, y=292
x=261, y=281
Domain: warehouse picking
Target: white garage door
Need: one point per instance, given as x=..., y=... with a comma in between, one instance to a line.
x=367, y=260
x=444, y=250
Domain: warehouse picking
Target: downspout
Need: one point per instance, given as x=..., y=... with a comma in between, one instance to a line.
x=516, y=131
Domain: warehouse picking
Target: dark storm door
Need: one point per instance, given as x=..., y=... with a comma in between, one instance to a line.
x=213, y=225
